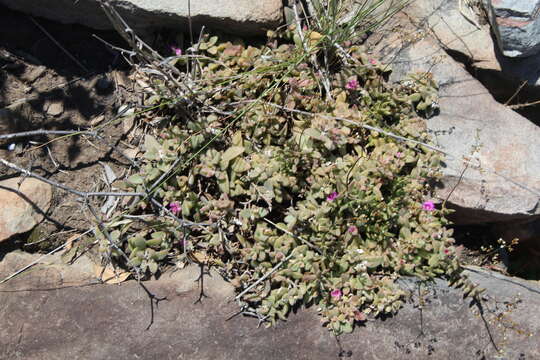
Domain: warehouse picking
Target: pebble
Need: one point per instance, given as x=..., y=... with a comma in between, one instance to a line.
x=55, y=108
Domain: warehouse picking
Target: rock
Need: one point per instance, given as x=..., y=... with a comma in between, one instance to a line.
x=516, y=26
x=54, y=108
x=475, y=46
x=470, y=124
x=245, y=17
x=44, y=317
x=33, y=73
x=22, y=208
x=453, y=31
x=53, y=270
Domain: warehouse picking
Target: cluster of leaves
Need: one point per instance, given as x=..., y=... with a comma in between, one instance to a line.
x=287, y=177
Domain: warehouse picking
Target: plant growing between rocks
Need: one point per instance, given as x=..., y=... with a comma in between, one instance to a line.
x=276, y=167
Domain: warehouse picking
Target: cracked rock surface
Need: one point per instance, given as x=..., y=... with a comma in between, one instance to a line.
x=54, y=311
x=502, y=181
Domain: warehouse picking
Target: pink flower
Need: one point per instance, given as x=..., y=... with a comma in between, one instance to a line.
x=446, y=251
x=352, y=229
x=176, y=51
x=428, y=205
x=373, y=61
x=336, y=294
x=175, y=207
x=399, y=154
x=333, y=196
x=352, y=85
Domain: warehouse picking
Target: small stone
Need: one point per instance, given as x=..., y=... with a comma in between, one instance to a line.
x=55, y=108
x=132, y=153
x=22, y=208
x=125, y=110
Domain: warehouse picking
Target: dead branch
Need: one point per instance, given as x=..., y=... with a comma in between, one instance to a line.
x=46, y=132
x=83, y=194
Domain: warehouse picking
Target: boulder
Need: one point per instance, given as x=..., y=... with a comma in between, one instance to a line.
x=475, y=46
x=46, y=316
x=242, y=17
x=516, y=26
x=502, y=179
x=22, y=207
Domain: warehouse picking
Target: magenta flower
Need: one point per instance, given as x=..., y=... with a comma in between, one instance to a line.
x=352, y=229
x=176, y=51
x=428, y=205
x=333, y=196
x=446, y=251
x=175, y=207
x=336, y=294
x=399, y=154
x=352, y=85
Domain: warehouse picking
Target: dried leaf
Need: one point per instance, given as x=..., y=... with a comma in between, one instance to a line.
x=109, y=276
x=199, y=257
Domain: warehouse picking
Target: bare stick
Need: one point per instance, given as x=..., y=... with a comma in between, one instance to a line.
x=83, y=194
x=294, y=236
x=120, y=50
x=60, y=46
x=517, y=92
x=43, y=257
x=270, y=272
x=519, y=106
x=46, y=132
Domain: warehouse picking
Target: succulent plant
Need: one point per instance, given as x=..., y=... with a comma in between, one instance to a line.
x=270, y=164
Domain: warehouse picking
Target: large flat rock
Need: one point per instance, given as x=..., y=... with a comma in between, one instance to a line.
x=242, y=17
x=504, y=146
x=478, y=45
x=54, y=312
